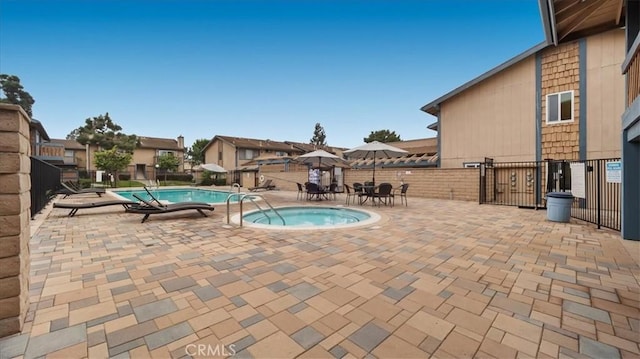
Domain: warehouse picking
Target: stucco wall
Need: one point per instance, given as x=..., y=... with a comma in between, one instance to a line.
x=453, y=183
x=495, y=118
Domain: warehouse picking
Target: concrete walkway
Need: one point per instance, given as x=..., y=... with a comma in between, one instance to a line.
x=441, y=279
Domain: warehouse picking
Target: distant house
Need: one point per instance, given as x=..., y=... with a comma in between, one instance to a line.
x=145, y=156
x=243, y=155
x=239, y=154
x=559, y=101
x=143, y=163
x=75, y=154
x=41, y=146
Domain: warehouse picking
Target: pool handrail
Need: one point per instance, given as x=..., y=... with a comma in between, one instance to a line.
x=251, y=197
x=235, y=185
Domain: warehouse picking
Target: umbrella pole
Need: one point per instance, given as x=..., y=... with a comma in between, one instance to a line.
x=374, y=168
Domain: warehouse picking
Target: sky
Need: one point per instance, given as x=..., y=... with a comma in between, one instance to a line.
x=265, y=69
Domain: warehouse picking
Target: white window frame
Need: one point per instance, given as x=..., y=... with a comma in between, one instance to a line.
x=559, y=120
x=166, y=152
x=471, y=165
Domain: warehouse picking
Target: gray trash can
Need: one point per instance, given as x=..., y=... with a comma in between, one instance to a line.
x=559, y=206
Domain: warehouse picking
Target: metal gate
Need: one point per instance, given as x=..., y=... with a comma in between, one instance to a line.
x=525, y=184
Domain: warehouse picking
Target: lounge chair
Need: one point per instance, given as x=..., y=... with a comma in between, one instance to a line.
x=67, y=191
x=148, y=208
x=156, y=200
x=267, y=185
x=74, y=207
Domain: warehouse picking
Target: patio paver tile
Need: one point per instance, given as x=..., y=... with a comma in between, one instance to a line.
x=471, y=281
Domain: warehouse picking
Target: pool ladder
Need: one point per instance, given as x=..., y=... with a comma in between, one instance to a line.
x=251, y=197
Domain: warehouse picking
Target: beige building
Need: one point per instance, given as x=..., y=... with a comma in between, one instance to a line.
x=557, y=102
x=242, y=156
x=145, y=156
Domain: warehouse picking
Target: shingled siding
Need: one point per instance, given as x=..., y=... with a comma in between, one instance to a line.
x=561, y=72
x=442, y=183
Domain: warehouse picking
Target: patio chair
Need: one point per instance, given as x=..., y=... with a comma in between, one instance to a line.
x=350, y=193
x=301, y=191
x=403, y=194
x=333, y=190
x=357, y=188
x=74, y=207
x=314, y=190
x=67, y=191
x=148, y=208
x=383, y=192
x=267, y=185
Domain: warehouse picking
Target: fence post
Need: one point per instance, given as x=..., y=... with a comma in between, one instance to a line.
x=483, y=188
x=598, y=184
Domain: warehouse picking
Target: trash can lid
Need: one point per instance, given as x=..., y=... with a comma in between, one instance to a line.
x=560, y=195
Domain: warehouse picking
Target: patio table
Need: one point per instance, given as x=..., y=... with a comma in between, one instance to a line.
x=368, y=192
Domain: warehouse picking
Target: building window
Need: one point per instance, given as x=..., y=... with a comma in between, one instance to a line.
x=220, y=156
x=281, y=153
x=471, y=165
x=560, y=107
x=246, y=154
x=165, y=152
x=69, y=153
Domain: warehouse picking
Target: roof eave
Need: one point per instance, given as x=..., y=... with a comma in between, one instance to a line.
x=547, y=15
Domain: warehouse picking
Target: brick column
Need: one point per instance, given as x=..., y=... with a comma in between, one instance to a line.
x=15, y=204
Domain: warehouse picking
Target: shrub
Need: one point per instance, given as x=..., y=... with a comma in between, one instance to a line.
x=83, y=174
x=183, y=177
x=124, y=176
x=207, y=181
x=220, y=181
x=85, y=182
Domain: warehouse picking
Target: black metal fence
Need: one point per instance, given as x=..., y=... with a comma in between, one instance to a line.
x=512, y=183
x=595, y=185
x=45, y=180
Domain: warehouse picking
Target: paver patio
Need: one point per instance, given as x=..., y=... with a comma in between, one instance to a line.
x=437, y=279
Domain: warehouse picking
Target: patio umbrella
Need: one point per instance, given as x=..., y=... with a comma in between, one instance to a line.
x=318, y=158
x=375, y=149
x=212, y=167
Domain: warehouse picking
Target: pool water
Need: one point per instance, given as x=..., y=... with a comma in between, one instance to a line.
x=179, y=195
x=308, y=216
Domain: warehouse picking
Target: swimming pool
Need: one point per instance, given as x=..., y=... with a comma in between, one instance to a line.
x=308, y=217
x=174, y=195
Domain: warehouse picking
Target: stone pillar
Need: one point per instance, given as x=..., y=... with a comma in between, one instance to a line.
x=15, y=204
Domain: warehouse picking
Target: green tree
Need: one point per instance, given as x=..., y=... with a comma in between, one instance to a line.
x=319, y=137
x=196, y=152
x=112, y=161
x=168, y=162
x=382, y=136
x=103, y=132
x=15, y=94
